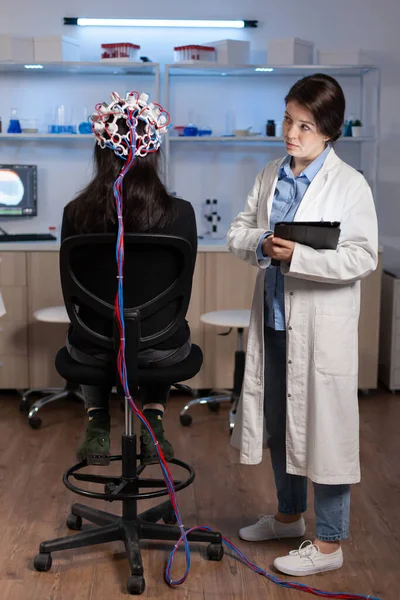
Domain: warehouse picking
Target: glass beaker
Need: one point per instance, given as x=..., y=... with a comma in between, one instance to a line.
x=14, y=125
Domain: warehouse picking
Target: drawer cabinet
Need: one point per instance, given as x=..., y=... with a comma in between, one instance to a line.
x=389, y=340
x=13, y=325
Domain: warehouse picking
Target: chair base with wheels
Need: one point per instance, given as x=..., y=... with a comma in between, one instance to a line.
x=238, y=319
x=131, y=527
x=51, y=314
x=70, y=391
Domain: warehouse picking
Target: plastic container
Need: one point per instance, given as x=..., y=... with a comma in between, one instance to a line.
x=179, y=129
x=292, y=51
x=194, y=53
x=231, y=52
x=121, y=51
x=16, y=49
x=56, y=48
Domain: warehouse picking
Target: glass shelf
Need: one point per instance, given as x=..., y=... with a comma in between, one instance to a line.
x=210, y=69
x=83, y=68
x=256, y=139
x=22, y=137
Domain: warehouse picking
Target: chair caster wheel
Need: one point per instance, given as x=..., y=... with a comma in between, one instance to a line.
x=35, y=422
x=74, y=522
x=213, y=406
x=186, y=420
x=215, y=552
x=169, y=517
x=136, y=585
x=42, y=562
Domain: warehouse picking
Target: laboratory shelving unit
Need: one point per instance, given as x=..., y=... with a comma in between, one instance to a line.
x=84, y=69
x=369, y=83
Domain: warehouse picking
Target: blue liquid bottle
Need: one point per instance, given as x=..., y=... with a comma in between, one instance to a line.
x=14, y=125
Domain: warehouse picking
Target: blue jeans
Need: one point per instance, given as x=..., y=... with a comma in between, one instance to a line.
x=331, y=502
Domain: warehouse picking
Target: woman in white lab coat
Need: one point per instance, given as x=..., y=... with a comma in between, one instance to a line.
x=302, y=355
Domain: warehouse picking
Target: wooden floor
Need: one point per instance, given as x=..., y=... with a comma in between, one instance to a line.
x=34, y=505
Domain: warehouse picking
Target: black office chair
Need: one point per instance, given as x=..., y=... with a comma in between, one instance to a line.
x=168, y=259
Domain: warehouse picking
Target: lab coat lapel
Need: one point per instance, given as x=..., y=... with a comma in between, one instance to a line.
x=306, y=210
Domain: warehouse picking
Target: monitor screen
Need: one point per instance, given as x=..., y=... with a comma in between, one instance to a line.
x=18, y=190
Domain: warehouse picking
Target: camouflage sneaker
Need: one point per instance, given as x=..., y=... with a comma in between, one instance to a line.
x=96, y=447
x=148, y=452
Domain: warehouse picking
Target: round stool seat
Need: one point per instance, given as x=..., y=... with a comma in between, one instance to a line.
x=52, y=314
x=227, y=318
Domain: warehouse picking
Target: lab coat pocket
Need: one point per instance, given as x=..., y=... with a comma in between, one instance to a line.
x=335, y=342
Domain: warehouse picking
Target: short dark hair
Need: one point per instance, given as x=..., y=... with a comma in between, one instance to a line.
x=324, y=98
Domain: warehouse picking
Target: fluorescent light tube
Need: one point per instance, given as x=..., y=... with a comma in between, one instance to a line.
x=212, y=23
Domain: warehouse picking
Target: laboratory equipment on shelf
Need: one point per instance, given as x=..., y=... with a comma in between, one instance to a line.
x=14, y=125
x=194, y=53
x=120, y=51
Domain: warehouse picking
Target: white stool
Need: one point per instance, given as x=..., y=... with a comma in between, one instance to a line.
x=233, y=319
x=52, y=314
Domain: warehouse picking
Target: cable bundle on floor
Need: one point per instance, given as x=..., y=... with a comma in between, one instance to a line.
x=122, y=370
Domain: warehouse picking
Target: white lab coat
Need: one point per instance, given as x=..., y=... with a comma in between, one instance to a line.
x=322, y=304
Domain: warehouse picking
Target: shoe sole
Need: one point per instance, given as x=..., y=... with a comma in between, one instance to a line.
x=97, y=460
x=268, y=539
x=295, y=573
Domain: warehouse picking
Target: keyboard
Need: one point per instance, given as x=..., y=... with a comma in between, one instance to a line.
x=27, y=237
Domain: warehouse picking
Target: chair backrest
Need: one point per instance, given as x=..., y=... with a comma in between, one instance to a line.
x=157, y=286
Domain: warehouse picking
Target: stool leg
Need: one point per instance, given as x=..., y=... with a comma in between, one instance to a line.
x=99, y=535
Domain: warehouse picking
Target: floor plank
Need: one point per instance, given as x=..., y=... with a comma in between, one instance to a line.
x=225, y=495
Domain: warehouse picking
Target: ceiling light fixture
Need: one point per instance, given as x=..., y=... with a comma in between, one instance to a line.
x=89, y=22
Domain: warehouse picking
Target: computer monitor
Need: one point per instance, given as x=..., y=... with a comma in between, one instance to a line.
x=18, y=191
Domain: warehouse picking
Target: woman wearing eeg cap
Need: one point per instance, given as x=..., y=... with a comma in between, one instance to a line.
x=148, y=208
x=302, y=356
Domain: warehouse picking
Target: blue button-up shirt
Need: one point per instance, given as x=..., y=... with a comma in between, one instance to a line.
x=289, y=192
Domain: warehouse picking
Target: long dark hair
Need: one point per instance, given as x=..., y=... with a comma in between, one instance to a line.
x=146, y=202
x=324, y=98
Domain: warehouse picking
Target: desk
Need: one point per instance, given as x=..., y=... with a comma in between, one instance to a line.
x=29, y=280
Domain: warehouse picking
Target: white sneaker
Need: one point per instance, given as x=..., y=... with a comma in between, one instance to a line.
x=308, y=560
x=268, y=528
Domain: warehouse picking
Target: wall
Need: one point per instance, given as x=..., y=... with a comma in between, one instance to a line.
x=364, y=24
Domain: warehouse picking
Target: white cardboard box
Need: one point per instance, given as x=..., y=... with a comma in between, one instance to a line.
x=231, y=52
x=16, y=49
x=342, y=57
x=56, y=48
x=292, y=51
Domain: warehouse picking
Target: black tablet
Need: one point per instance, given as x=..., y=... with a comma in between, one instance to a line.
x=320, y=235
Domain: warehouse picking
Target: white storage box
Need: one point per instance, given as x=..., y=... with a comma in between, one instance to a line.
x=290, y=52
x=342, y=57
x=231, y=52
x=56, y=48
x=16, y=49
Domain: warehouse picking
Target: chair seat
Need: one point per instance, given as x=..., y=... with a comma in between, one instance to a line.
x=52, y=314
x=227, y=318
x=76, y=372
